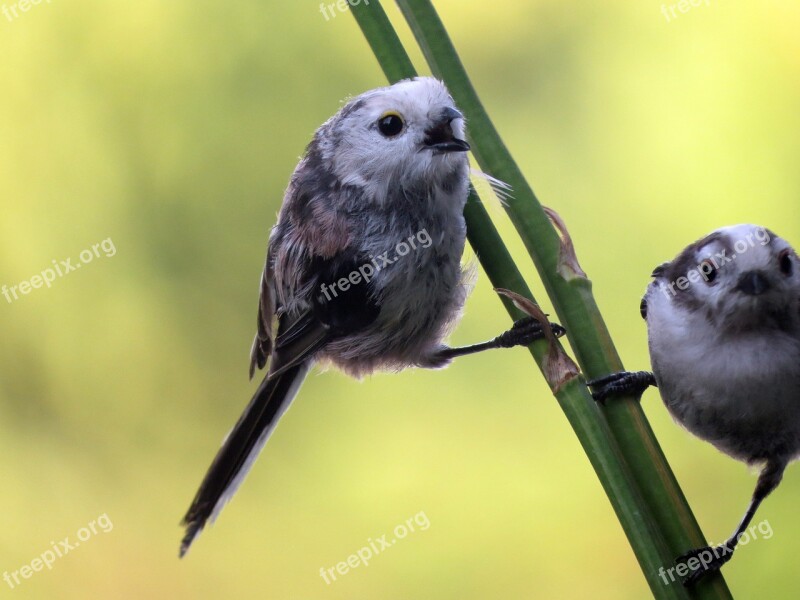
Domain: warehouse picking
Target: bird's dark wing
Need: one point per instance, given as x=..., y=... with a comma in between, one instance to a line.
x=309, y=247
x=333, y=313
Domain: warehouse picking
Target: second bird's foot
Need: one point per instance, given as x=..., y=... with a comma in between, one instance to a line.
x=703, y=561
x=623, y=383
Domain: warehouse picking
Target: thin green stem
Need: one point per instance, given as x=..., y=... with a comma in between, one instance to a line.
x=649, y=544
x=572, y=299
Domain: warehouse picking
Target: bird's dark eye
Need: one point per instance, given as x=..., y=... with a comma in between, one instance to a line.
x=785, y=261
x=391, y=124
x=709, y=271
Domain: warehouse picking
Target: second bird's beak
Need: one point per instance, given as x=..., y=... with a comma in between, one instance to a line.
x=440, y=137
x=753, y=283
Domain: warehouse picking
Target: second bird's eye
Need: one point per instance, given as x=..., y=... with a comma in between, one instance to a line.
x=786, y=263
x=390, y=124
x=708, y=270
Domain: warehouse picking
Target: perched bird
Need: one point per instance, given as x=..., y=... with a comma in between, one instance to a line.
x=723, y=323
x=363, y=268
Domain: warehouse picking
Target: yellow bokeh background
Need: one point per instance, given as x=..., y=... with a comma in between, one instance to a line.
x=172, y=128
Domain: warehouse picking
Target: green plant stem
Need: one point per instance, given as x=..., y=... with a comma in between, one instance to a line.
x=573, y=299
x=598, y=440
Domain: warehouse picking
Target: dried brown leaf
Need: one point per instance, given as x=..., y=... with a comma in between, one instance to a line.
x=568, y=266
x=558, y=367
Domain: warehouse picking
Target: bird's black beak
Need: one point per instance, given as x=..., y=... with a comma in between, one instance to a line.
x=753, y=283
x=440, y=137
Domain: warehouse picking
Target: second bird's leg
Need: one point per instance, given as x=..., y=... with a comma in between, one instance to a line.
x=711, y=559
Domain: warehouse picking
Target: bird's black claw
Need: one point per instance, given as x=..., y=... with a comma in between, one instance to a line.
x=526, y=331
x=704, y=561
x=623, y=383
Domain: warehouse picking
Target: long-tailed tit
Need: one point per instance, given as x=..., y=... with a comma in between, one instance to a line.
x=723, y=323
x=363, y=269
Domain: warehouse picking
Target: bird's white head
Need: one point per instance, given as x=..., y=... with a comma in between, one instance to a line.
x=405, y=135
x=742, y=277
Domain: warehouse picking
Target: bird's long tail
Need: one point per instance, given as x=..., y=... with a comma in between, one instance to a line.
x=240, y=449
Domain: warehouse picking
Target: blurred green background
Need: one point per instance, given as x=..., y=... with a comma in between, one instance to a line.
x=172, y=128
